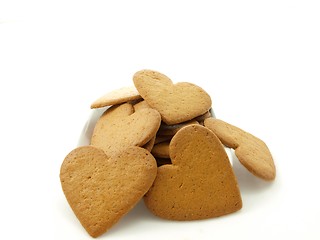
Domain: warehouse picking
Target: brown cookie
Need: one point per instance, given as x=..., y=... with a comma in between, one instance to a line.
x=118, y=96
x=161, y=150
x=251, y=151
x=117, y=129
x=175, y=102
x=102, y=189
x=199, y=183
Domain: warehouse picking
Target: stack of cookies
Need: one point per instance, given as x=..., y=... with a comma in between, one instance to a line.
x=159, y=141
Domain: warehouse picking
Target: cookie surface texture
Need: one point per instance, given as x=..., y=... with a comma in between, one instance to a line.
x=251, y=151
x=119, y=128
x=141, y=105
x=199, y=183
x=175, y=102
x=117, y=96
x=100, y=190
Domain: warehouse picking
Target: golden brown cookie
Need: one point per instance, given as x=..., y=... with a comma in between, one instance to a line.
x=199, y=183
x=251, y=151
x=102, y=189
x=118, y=96
x=117, y=129
x=175, y=102
x=170, y=130
x=161, y=150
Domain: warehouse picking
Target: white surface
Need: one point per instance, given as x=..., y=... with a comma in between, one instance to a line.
x=259, y=60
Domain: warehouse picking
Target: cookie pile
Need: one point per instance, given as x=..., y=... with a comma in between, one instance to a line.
x=158, y=141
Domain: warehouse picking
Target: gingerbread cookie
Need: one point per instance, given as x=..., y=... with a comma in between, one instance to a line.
x=117, y=129
x=251, y=151
x=118, y=96
x=175, y=102
x=102, y=189
x=199, y=183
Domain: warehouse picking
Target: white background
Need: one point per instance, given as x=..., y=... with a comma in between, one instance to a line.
x=259, y=61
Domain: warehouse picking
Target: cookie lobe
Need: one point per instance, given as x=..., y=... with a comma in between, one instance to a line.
x=251, y=151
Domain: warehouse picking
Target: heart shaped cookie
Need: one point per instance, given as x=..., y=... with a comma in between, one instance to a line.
x=199, y=183
x=175, y=102
x=100, y=189
x=251, y=151
x=119, y=128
